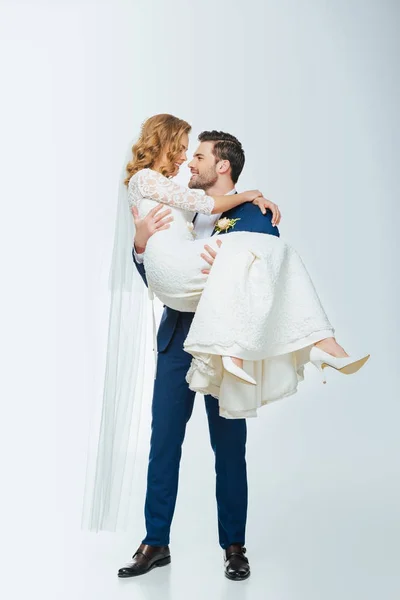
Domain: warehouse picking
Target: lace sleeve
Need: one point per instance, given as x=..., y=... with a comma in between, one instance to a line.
x=157, y=187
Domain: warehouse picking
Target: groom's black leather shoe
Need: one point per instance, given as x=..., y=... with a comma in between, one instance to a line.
x=237, y=565
x=146, y=558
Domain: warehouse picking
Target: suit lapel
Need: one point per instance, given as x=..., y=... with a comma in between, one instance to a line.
x=224, y=214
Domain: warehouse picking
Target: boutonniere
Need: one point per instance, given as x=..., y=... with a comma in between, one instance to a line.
x=225, y=224
x=190, y=226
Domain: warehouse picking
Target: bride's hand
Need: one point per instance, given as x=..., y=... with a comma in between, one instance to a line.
x=264, y=205
x=252, y=195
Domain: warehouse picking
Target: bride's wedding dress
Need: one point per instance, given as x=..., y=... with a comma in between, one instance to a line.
x=258, y=303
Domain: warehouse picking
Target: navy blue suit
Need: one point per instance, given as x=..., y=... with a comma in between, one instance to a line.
x=171, y=410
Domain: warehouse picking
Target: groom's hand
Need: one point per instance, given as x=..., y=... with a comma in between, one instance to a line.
x=209, y=256
x=149, y=225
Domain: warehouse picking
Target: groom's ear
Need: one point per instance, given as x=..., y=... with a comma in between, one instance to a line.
x=223, y=167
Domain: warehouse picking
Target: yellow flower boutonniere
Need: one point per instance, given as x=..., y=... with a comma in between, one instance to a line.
x=225, y=224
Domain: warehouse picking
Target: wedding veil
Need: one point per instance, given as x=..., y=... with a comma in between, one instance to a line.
x=113, y=446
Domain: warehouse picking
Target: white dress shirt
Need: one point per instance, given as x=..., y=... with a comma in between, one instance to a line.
x=204, y=226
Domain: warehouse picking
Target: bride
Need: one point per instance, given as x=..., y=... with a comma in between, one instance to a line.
x=258, y=318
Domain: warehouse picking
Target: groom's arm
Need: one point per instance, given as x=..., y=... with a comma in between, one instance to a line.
x=153, y=222
x=139, y=266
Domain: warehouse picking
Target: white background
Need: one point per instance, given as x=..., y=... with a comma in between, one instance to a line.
x=312, y=91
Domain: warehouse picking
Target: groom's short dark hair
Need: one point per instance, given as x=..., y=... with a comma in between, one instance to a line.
x=226, y=147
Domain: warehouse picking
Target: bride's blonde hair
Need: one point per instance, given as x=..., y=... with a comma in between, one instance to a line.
x=159, y=133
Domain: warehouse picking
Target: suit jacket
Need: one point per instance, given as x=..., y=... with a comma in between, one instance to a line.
x=251, y=219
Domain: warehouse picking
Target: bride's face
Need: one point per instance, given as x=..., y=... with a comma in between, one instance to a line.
x=182, y=156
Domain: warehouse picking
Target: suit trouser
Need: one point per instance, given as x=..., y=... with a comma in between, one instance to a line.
x=171, y=410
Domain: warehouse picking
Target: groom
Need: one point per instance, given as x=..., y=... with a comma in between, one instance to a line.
x=216, y=167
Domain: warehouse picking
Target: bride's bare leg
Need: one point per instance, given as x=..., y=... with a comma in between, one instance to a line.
x=331, y=346
x=238, y=361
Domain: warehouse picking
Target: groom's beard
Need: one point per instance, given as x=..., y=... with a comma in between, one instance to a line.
x=204, y=181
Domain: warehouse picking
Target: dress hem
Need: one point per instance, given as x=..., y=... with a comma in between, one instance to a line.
x=238, y=351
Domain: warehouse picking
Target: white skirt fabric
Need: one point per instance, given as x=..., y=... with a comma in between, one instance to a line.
x=259, y=304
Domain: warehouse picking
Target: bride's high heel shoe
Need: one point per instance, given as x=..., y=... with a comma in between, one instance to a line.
x=230, y=366
x=346, y=365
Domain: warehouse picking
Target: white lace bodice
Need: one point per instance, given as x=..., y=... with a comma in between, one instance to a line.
x=173, y=256
x=152, y=185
